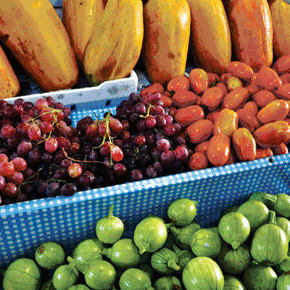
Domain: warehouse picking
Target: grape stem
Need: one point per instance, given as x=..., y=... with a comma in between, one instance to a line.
x=28, y=180
x=75, y=160
x=147, y=113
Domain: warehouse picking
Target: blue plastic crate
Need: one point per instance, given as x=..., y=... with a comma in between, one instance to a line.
x=69, y=220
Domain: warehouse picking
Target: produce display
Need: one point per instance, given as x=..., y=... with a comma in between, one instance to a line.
x=260, y=261
x=200, y=121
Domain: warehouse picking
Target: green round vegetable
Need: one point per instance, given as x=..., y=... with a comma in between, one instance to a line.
x=205, y=243
x=284, y=224
x=123, y=254
x=234, y=228
x=65, y=276
x=184, y=256
x=203, y=273
x=283, y=267
x=283, y=282
x=165, y=261
x=259, y=277
x=100, y=275
x=148, y=270
x=50, y=255
x=182, y=211
x=167, y=283
x=268, y=199
x=234, y=262
x=150, y=235
x=48, y=285
x=269, y=244
x=109, y=229
x=282, y=206
x=233, y=283
x=214, y=229
x=230, y=209
x=22, y=274
x=184, y=234
x=86, y=252
x=79, y=287
x=135, y=279
x=256, y=213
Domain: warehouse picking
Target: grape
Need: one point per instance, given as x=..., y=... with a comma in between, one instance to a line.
x=6, y=168
x=102, y=129
x=60, y=115
x=160, y=121
x=140, y=108
x=10, y=189
x=115, y=125
x=91, y=175
x=17, y=178
x=2, y=182
x=59, y=156
x=181, y=153
x=34, y=156
x=84, y=180
x=19, y=102
x=22, y=129
x=8, y=131
x=52, y=189
x=65, y=163
x=46, y=115
x=51, y=145
x=7, y=122
x=163, y=144
x=159, y=110
x=125, y=136
x=50, y=101
x=21, y=197
x=13, y=142
x=60, y=173
x=177, y=127
x=28, y=173
x=42, y=187
x=120, y=169
x=19, y=163
x=75, y=170
x=169, y=130
x=93, y=156
x=117, y=154
x=150, y=121
x=10, y=112
x=169, y=119
x=46, y=127
x=92, y=131
x=167, y=157
x=41, y=104
x=34, y=132
x=74, y=148
x=3, y=158
x=144, y=149
x=19, y=109
x=63, y=143
x=125, y=124
x=136, y=175
x=141, y=126
x=158, y=166
x=68, y=189
x=105, y=149
x=47, y=157
x=155, y=153
x=28, y=106
x=140, y=140
x=151, y=172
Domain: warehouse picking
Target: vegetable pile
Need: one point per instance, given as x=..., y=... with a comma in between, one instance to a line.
x=244, y=251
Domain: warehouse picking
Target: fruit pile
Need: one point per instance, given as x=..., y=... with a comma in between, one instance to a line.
x=200, y=121
x=247, y=250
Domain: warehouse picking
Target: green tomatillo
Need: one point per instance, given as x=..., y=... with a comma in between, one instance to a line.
x=109, y=229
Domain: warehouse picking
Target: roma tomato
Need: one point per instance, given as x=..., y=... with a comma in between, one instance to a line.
x=218, y=149
x=244, y=144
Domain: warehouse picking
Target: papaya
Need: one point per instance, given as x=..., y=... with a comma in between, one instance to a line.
x=9, y=84
x=251, y=31
x=166, y=39
x=79, y=18
x=280, y=13
x=35, y=35
x=210, y=40
x=115, y=45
